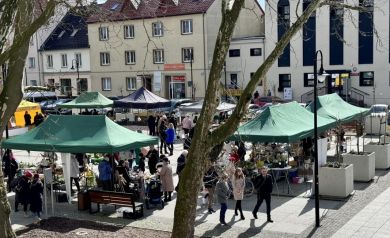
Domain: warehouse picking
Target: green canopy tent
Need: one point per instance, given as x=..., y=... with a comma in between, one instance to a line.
x=332, y=106
x=283, y=123
x=88, y=100
x=79, y=134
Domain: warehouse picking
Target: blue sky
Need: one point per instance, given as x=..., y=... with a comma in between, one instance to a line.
x=260, y=1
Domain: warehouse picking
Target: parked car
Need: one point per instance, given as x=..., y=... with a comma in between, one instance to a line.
x=51, y=107
x=268, y=99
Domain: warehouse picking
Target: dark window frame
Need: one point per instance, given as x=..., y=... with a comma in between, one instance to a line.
x=282, y=81
x=233, y=53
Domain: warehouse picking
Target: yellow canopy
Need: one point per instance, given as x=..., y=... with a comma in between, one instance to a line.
x=30, y=107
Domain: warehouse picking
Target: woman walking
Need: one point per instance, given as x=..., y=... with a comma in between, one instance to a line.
x=170, y=137
x=222, y=191
x=36, y=196
x=166, y=177
x=238, y=182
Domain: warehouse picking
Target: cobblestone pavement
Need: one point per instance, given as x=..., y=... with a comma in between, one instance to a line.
x=293, y=216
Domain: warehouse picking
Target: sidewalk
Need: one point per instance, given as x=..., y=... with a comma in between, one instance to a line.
x=372, y=221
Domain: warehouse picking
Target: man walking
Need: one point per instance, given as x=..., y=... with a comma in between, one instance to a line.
x=263, y=184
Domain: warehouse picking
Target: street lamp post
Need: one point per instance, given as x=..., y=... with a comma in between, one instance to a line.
x=316, y=188
x=78, y=74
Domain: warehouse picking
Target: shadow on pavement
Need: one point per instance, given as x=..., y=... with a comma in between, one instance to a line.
x=65, y=225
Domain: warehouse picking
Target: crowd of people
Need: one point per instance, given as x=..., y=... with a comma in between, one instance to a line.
x=28, y=188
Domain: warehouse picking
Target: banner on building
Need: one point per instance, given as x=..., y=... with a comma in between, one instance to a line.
x=287, y=94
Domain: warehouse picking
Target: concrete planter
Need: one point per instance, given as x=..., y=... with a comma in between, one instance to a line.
x=382, y=154
x=363, y=165
x=382, y=139
x=336, y=182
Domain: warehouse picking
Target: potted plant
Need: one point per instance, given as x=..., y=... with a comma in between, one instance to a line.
x=381, y=149
x=363, y=162
x=336, y=178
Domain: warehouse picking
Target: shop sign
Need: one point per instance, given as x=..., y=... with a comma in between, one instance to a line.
x=178, y=78
x=287, y=94
x=174, y=67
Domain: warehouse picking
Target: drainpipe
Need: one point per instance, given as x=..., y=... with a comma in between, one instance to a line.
x=204, y=55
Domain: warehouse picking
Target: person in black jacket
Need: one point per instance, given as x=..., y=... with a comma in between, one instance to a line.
x=263, y=184
x=22, y=192
x=152, y=159
x=152, y=125
x=36, y=192
x=10, y=167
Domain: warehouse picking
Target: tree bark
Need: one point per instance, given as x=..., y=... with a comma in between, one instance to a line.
x=204, y=140
x=11, y=94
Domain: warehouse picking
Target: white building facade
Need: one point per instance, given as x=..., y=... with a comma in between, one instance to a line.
x=245, y=56
x=358, y=67
x=66, y=57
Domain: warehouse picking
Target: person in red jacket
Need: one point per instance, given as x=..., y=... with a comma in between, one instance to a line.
x=234, y=157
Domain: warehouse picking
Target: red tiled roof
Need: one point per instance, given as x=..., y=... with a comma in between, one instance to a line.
x=148, y=9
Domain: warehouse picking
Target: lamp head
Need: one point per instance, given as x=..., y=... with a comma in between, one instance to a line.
x=322, y=74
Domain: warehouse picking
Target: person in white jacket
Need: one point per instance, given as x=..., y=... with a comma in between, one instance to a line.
x=74, y=172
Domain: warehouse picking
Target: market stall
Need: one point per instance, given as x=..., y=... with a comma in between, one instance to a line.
x=88, y=100
x=142, y=99
x=197, y=107
x=282, y=125
x=79, y=134
x=25, y=106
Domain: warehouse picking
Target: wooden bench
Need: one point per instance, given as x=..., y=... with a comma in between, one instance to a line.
x=116, y=199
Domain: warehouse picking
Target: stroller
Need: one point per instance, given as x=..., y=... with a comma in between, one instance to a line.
x=153, y=193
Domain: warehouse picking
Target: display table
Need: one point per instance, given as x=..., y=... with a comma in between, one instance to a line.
x=284, y=171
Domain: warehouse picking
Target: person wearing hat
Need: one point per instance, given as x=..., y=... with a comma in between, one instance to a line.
x=22, y=191
x=222, y=191
x=36, y=192
x=263, y=184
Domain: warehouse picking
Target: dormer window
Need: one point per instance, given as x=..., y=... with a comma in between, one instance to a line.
x=74, y=32
x=61, y=34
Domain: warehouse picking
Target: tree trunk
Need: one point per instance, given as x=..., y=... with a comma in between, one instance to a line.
x=11, y=94
x=204, y=140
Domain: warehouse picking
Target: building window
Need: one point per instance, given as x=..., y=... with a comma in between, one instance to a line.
x=158, y=56
x=49, y=59
x=187, y=55
x=66, y=86
x=336, y=35
x=64, y=60
x=31, y=62
x=284, y=81
x=130, y=57
x=234, y=53
x=233, y=81
x=366, y=78
x=308, y=80
x=283, y=26
x=157, y=29
x=128, y=31
x=104, y=58
x=366, y=32
x=309, y=37
x=33, y=82
x=131, y=83
x=255, y=51
x=186, y=27
x=106, y=84
x=78, y=59
x=103, y=33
